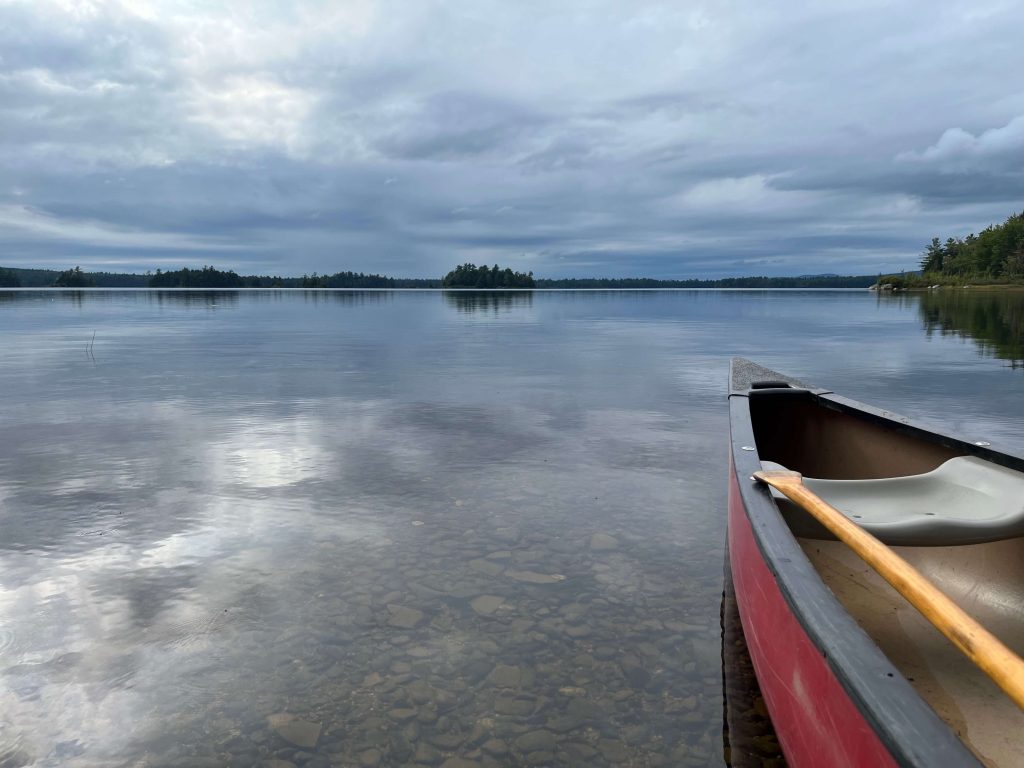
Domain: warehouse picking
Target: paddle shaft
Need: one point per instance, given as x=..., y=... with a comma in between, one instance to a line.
x=979, y=645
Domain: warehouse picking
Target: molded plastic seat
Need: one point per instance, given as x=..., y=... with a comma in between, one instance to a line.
x=965, y=500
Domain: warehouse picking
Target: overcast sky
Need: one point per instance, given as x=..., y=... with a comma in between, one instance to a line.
x=569, y=138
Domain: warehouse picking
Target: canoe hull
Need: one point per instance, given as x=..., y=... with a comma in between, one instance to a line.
x=814, y=718
x=834, y=698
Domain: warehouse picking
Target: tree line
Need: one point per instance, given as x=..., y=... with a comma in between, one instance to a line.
x=463, y=276
x=997, y=252
x=348, y=280
x=203, y=277
x=207, y=277
x=806, y=281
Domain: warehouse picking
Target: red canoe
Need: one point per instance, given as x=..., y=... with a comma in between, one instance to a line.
x=852, y=675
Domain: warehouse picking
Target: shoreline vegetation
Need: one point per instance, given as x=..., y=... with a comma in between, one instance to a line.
x=992, y=259
x=465, y=276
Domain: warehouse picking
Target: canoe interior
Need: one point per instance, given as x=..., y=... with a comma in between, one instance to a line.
x=986, y=580
x=830, y=444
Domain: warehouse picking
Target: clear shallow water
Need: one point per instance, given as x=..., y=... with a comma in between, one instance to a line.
x=344, y=528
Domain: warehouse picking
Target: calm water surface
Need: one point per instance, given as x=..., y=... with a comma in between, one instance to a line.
x=389, y=528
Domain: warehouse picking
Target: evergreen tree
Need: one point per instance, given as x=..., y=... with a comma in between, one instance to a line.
x=931, y=260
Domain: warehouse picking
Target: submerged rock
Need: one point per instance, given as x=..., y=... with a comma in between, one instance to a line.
x=505, y=676
x=370, y=758
x=532, y=577
x=602, y=541
x=301, y=733
x=536, y=741
x=613, y=751
x=577, y=752
x=507, y=534
x=402, y=714
x=509, y=705
x=459, y=762
x=485, y=605
x=488, y=567
x=404, y=617
x=495, y=747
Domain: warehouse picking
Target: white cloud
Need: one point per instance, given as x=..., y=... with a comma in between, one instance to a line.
x=253, y=111
x=957, y=148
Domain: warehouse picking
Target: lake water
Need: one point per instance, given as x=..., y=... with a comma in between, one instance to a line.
x=390, y=528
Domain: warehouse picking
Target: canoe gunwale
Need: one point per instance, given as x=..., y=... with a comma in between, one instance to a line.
x=903, y=721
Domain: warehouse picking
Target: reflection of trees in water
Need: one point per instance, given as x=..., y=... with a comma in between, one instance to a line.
x=212, y=298
x=12, y=297
x=342, y=296
x=993, y=319
x=76, y=297
x=102, y=296
x=488, y=301
x=193, y=298
x=199, y=298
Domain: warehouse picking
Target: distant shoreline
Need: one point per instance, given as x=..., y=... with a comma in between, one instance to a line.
x=903, y=285
x=146, y=289
x=969, y=287
x=22, y=277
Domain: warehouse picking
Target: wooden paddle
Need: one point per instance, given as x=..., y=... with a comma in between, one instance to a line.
x=979, y=645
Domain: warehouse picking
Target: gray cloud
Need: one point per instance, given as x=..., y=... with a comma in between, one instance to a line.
x=708, y=139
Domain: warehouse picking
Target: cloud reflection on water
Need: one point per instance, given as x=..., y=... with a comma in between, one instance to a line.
x=234, y=511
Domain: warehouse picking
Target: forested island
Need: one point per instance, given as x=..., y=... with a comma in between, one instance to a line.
x=472, y=276
x=74, y=278
x=994, y=256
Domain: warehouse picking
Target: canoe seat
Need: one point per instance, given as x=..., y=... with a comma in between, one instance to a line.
x=965, y=500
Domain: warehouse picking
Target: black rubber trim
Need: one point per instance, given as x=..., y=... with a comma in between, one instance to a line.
x=796, y=392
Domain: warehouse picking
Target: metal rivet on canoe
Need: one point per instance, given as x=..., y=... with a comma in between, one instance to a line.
x=747, y=448
x=983, y=443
